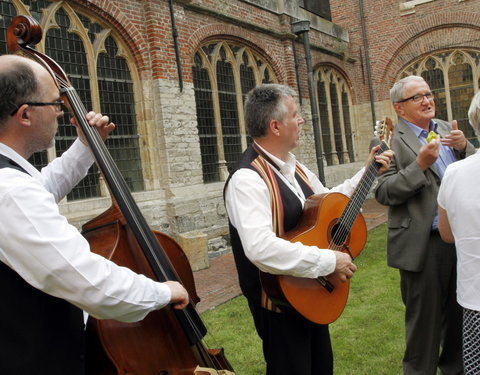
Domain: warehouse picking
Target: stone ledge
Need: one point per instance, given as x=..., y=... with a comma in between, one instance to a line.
x=194, y=245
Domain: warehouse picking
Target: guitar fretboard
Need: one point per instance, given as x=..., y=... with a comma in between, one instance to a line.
x=356, y=201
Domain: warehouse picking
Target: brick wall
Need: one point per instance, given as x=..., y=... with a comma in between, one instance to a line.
x=396, y=38
x=176, y=200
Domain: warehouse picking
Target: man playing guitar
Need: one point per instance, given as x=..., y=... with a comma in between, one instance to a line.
x=264, y=196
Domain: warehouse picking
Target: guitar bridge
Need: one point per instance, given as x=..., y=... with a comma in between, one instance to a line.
x=323, y=281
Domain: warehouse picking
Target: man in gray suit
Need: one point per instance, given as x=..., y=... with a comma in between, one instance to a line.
x=427, y=264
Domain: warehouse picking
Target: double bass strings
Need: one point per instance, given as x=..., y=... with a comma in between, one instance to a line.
x=95, y=139
x=119, y=188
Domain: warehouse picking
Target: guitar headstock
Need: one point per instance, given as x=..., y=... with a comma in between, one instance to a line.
x=384, y=130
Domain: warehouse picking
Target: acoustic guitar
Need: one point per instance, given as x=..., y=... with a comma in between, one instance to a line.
x=329, y=221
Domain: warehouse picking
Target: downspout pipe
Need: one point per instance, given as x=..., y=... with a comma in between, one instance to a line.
x=297, y=73
x=175, y=44
x=367, y=62
x=301, y=28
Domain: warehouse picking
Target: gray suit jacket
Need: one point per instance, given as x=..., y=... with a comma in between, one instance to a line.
x=411, y=195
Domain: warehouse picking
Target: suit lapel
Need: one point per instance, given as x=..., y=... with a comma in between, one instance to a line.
x=409, y=138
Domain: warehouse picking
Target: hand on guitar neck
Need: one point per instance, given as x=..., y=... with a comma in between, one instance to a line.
x=383, y=133
x=344, y=267
x=382, y=158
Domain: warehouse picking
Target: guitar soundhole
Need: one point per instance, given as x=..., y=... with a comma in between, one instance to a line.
x=339, y=234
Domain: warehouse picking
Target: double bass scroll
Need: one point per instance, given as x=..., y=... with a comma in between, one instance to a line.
x=167, y=341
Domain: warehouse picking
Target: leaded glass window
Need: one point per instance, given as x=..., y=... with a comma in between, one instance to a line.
x=67, y=50
x=116, y=97
x=333, y=100
x=223, y=73
x=7, y=12
x=206, y=122
x=348, y=123
x=227, y=99
x=318, y=7
x=101, y=79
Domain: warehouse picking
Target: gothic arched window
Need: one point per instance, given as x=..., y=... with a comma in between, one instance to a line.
x=98, y=69
x=223, y=73
x=334, y=102
x=454, y=77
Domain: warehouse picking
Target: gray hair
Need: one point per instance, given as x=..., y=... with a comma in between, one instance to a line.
x=397, y=91
x=18, y=84
x=474, y=114
x=264, y=103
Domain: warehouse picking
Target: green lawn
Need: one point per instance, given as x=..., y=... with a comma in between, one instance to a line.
x=368, y=338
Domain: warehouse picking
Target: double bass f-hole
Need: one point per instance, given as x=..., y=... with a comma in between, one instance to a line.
x=167, y=341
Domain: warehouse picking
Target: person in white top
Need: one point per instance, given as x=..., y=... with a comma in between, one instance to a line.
x=48, y=274
x=459, y=223
x=291, y=344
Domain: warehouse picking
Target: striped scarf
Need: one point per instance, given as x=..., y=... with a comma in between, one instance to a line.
x=264, y=168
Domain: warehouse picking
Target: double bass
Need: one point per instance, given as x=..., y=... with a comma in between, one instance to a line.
x=167, y=341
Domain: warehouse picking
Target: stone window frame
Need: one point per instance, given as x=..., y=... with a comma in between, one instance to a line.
x=235, y=51
x=92, y=51
x=339, y=124
x=408, y=7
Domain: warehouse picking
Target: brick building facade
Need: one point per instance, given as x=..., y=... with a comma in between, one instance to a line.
x=173, y=75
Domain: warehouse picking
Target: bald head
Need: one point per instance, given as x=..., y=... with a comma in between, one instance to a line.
x=19, y=82
x=10, y=63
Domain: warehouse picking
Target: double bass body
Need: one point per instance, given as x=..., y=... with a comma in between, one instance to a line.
x=156, y=345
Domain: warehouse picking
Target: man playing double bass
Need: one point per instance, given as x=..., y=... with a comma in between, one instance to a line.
x=47, y=273
x=264, y=196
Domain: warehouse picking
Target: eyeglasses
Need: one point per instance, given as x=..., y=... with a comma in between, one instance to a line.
x=418, y=97
x=57, y=103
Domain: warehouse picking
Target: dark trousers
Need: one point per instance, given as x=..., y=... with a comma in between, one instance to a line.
x=433, y=318
x=292, y=345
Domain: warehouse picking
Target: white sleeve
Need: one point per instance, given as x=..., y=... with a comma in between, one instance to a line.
x=62, y=174
x=346, y=188
x=248, y=206
x=51, y=255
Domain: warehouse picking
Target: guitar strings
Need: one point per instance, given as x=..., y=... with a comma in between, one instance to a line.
x=353, y=207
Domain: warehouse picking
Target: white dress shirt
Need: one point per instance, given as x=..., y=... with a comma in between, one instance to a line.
x=248, y=206
x=50, y=254
x=460, y=197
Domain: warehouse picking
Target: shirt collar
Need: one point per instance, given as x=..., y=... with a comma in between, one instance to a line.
x=418, y=130
x=282, y=165
x=20, y=160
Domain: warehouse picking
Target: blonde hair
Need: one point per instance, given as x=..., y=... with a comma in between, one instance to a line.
x=474, y=114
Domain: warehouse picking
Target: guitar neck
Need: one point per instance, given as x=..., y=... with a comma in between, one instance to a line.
x=361, y=191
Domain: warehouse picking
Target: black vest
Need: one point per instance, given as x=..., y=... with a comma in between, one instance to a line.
x=39, y=334
x=247, y=272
